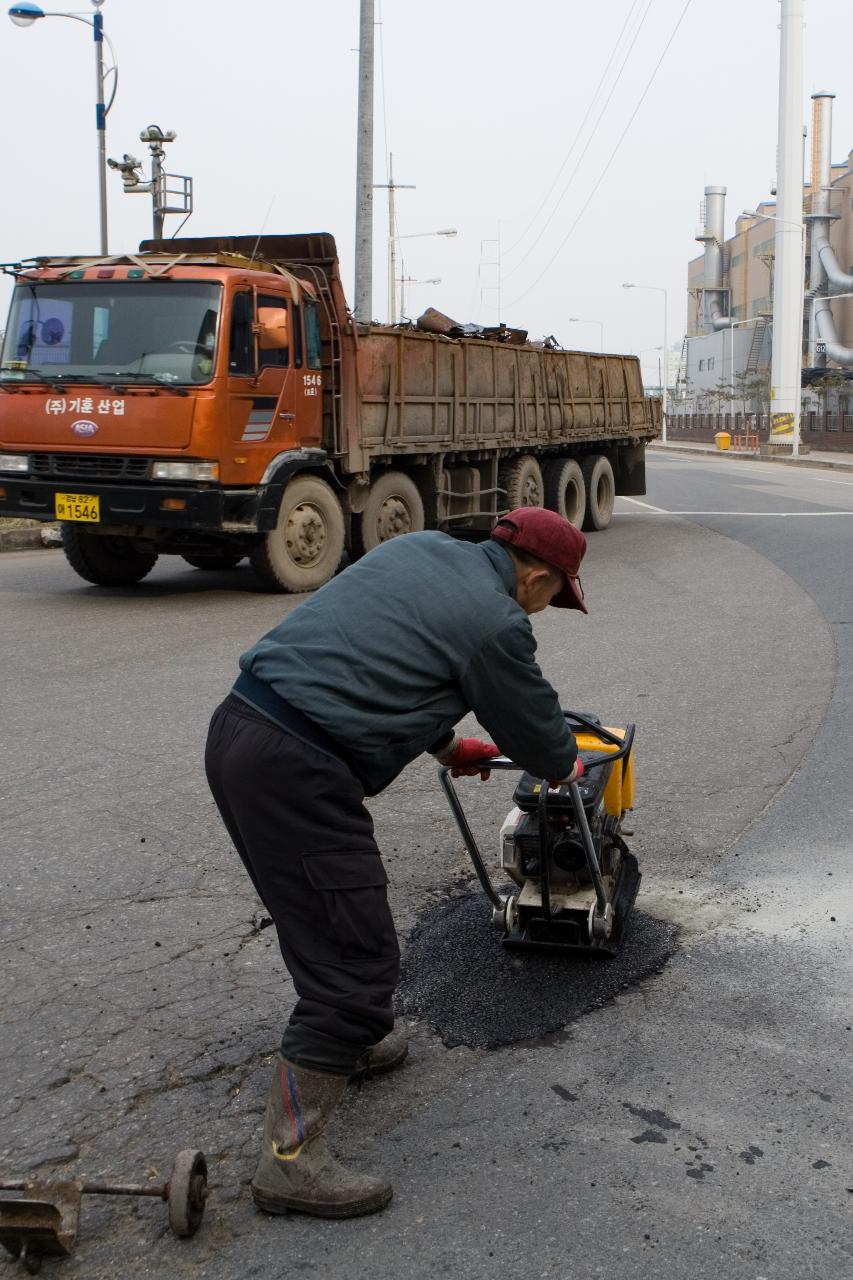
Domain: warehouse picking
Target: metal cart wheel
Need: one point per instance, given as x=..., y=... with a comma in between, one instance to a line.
x=187, y=1192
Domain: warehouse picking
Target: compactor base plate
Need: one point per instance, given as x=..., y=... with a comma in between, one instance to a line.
x=570, y=931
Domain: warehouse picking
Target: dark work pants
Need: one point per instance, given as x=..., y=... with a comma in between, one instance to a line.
x=297, y=818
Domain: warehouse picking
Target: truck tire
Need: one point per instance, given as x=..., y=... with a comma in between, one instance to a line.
x=103, y=560
x=565, y=489
x=600, y=491
x=214, y=560
x=304, y=549
x=394, y=506
x=522, y=480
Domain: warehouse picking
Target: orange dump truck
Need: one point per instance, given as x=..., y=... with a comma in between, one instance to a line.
x=214, y=399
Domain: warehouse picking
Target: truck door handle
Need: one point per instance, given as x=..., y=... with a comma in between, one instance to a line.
x=288, y=416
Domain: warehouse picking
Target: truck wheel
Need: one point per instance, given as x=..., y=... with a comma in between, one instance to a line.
x=394, y=506
x=600, y=491
x=214, y=560
x=304, y=549
x=106, y=561
x=522, y=480
x=565, y=489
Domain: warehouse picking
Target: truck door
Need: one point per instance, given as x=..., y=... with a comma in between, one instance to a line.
x=260, y=373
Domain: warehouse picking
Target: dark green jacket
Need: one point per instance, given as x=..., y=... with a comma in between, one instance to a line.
x=392, y=653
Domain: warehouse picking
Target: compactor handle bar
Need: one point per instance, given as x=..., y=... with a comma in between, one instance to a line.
x=624, y=746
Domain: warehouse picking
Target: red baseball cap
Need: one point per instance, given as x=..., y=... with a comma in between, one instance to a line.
x=551, y=538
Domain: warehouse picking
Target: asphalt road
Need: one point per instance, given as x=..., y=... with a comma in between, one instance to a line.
x=687, y=1122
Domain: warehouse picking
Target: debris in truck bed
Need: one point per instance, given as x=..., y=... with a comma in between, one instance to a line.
x=433, y=321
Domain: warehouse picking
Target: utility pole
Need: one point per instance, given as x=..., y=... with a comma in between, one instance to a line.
x=786, y=360
x=391, y=187
x=363, y=294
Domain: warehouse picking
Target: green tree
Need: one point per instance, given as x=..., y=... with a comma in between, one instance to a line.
x=831, y=381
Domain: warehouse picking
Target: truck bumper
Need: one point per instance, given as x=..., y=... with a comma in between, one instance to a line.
x=208, y=508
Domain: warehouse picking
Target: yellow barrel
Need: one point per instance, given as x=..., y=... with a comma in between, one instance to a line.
x=723, y=440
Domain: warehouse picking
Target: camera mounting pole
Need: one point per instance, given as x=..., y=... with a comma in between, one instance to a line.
x=170, y=192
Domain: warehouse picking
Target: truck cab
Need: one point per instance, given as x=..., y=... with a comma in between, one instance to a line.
x=150, y=404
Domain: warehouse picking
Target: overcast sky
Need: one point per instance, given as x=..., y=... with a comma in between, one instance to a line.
x=481, y=102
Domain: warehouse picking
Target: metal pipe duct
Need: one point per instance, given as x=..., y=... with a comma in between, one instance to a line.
x=821, y=246
x=824, y=264
x=828, y=333
x=713, y=237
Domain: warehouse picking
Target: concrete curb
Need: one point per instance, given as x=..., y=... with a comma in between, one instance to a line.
x=751, y=457
x=25, y=540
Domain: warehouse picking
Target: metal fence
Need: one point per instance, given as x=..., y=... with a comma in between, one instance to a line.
x=820, y=430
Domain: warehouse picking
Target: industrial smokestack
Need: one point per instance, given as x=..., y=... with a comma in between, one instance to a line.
x=824, y=264
x=713, y=236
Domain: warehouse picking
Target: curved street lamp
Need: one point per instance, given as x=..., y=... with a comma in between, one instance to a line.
x=24, y=14
x=449, y=232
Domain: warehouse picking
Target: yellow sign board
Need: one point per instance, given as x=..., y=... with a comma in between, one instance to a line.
x=782, y=424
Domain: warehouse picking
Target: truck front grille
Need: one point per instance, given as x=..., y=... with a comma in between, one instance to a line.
x=91, y=466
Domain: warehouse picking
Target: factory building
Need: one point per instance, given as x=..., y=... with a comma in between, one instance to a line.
x=725, y=358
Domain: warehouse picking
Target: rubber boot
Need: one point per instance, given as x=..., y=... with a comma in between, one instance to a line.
x=383, y=1057
x=296, y=1169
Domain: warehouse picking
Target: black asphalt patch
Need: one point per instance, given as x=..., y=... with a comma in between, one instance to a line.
x=459, y=978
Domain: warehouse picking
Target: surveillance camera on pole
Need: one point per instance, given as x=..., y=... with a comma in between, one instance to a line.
x=131, y=170
x=170, y=192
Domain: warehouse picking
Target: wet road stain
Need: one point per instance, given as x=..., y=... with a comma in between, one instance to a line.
x=472, y=991
x=564, y=1093
x=649, y=1135
x=658, y=1118
x=749, y=1156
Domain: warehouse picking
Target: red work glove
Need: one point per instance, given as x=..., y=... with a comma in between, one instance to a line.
x=465, y=752
x=576, y=773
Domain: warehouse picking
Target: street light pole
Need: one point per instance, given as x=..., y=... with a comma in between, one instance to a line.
x=25, y=14
x=101, y=120
x=392, y=186
x=656, y=288
x=788, y=283
x=450, y=232
x=404, y=280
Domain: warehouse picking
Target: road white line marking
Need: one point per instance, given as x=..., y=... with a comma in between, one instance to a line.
x=648, y=506
x=786, y=515
x=768, y=469
x=826, y=480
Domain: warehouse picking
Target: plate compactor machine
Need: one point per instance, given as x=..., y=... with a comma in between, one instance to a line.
x=563, y=848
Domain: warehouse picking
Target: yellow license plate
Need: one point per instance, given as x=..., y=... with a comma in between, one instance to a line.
x=78, y=506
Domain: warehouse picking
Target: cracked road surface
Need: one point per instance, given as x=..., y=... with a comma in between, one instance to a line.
x=698, y=1122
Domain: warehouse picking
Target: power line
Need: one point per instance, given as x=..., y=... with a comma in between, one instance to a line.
x=589, y=141
x=611, y=158
x=580, y=129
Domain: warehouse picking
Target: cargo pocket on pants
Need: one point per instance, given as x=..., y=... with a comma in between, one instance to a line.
x=353, y=889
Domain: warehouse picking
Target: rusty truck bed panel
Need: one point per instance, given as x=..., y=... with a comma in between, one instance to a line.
x=423, y=393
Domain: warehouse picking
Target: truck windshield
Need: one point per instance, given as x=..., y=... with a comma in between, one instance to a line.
x=160, y=331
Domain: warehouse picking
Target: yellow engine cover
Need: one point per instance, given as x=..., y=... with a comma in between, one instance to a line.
x=619, y=792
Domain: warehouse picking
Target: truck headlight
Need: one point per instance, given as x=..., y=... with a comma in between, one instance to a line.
x=185, y=471
x=19, y=463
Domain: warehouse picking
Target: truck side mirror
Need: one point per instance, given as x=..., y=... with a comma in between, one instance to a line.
x=272, y=328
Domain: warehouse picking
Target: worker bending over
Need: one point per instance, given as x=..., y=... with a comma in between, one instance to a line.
x=331, y=705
